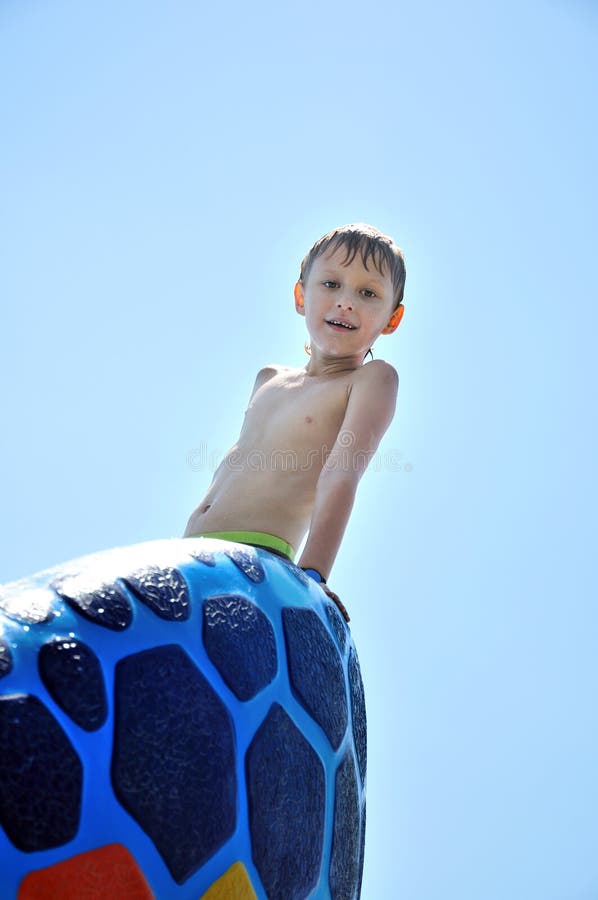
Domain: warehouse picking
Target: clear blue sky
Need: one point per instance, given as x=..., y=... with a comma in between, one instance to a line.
x=164, y=167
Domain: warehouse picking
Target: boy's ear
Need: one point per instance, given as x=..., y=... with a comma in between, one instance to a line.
x=299, y=299
x=394, y=321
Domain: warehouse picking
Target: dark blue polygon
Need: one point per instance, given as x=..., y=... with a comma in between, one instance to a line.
x=316, y=671
x=5, y=658
x=163, y=590
x=240, y=641
x=203, y=556
x=344, y=860
x=358, y=712
x=173, y=763
x=73, y=676
x=338, y=626
x=286, y=794
x=108, y=605
x=41, y=776
x=361, y=849
x=248, y=562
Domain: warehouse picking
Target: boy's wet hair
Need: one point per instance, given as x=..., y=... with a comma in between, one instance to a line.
x=371, y=244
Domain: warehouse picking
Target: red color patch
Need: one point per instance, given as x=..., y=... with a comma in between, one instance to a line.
x=101, y=874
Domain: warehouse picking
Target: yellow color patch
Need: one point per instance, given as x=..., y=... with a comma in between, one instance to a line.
x=233, y=885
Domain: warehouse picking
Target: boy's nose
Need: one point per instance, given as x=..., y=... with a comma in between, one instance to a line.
x=345, y=303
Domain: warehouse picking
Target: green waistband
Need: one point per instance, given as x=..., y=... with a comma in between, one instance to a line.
x=259, y=538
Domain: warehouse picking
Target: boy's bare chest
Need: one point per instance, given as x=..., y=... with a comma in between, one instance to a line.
x=295, y=414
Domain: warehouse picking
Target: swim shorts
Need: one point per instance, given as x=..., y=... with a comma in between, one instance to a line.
x=255, y=538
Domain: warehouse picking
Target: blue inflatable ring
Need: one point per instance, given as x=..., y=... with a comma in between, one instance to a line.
x=181, y=718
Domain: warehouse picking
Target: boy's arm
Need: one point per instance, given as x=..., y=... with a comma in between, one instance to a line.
x=369, y=412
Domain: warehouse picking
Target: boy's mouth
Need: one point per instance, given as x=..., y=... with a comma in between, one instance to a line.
x=340, y=325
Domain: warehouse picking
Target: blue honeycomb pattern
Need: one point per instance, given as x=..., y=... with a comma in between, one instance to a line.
x=190, y=707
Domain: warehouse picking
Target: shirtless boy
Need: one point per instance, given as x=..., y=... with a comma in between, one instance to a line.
x=309, y=434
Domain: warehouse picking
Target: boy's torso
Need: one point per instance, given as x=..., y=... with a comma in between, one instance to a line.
x=267, y=480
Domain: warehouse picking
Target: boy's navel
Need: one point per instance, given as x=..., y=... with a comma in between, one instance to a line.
x=308, y=419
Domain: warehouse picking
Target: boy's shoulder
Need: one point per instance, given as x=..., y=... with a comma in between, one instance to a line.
x=274, y=367
x=378, y=371
x=374, y=388
x=266, y=372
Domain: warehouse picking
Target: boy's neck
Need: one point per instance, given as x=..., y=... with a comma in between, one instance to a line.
x=320, y=365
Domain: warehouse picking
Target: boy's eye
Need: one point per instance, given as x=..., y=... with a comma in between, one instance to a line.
x=335, y=284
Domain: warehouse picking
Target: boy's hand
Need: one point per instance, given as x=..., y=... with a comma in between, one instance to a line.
x=317, y=577
x=336, y=599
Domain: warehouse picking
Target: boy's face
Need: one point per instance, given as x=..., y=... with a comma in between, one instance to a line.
x=359, y=297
